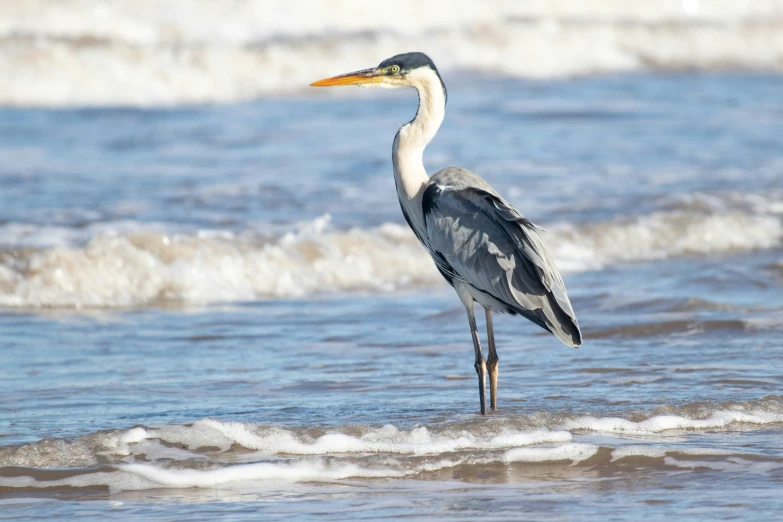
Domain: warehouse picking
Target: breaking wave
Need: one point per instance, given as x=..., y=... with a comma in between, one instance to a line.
x=211, y=453
x=136, y=265
x=87, y=52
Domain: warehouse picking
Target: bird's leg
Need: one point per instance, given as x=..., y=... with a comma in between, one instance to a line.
x=492, y=362
x=480, y=365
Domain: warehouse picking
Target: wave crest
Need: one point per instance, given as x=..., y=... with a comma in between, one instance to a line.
x=141, y=267
x=86, y=52
x=207, y=453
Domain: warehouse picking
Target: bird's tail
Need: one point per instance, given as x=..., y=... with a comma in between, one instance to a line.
x=565, y=327
x=554, y=318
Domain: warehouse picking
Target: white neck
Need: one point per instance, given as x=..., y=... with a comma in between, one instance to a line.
x=412, y=138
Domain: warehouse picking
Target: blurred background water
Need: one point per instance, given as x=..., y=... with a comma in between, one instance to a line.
x=212, y=307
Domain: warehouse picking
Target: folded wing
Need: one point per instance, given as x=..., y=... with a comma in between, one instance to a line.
x=475, y=236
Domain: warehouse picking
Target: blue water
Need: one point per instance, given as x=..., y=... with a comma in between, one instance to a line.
x=692, y=331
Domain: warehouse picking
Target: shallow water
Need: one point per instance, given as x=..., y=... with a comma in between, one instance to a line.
x=226, y=314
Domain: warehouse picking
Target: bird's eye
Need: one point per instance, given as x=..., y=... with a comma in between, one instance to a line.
x=395, y=69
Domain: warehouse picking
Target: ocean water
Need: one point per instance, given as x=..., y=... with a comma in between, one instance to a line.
x=165, y=52
x=217, y=311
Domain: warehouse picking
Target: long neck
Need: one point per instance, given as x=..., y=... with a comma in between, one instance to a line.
x=409, y=143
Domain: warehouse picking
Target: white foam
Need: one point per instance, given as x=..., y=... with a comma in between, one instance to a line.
x=120, y=444
x=50, y=453
x=205, y=454
x=732, y=465
x=157, y=52
x=573, y=452
x=143, y=476
x=200, y=434
x=144, y=267
x=662, y=423
x=662, y=235
x=332, y=456
x=653, y=451
x=155, y=451
x=389, y=439
x=132, y=265
x=131, y=477
x=298, y=471
x=32, y=236
x=115, y=481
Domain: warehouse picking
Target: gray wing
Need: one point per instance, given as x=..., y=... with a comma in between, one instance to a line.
x=478, y=238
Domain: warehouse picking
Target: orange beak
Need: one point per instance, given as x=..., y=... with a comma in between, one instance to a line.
x=354, y=78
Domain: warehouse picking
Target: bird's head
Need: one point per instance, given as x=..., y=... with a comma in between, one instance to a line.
x=402, y=70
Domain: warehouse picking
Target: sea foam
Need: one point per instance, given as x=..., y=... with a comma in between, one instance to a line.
x=570, y=452
x=137, y=264
x=388, y=439
x=212, y=453
x=88, y=52
x=662, y=423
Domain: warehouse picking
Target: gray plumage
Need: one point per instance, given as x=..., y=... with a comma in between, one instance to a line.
x=477, y=237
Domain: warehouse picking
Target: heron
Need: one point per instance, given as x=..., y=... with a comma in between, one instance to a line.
x=481, y=244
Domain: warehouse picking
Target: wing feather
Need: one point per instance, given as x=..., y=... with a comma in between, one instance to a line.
x=482, y=240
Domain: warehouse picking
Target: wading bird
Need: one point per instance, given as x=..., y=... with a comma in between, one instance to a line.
x=482, y=245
